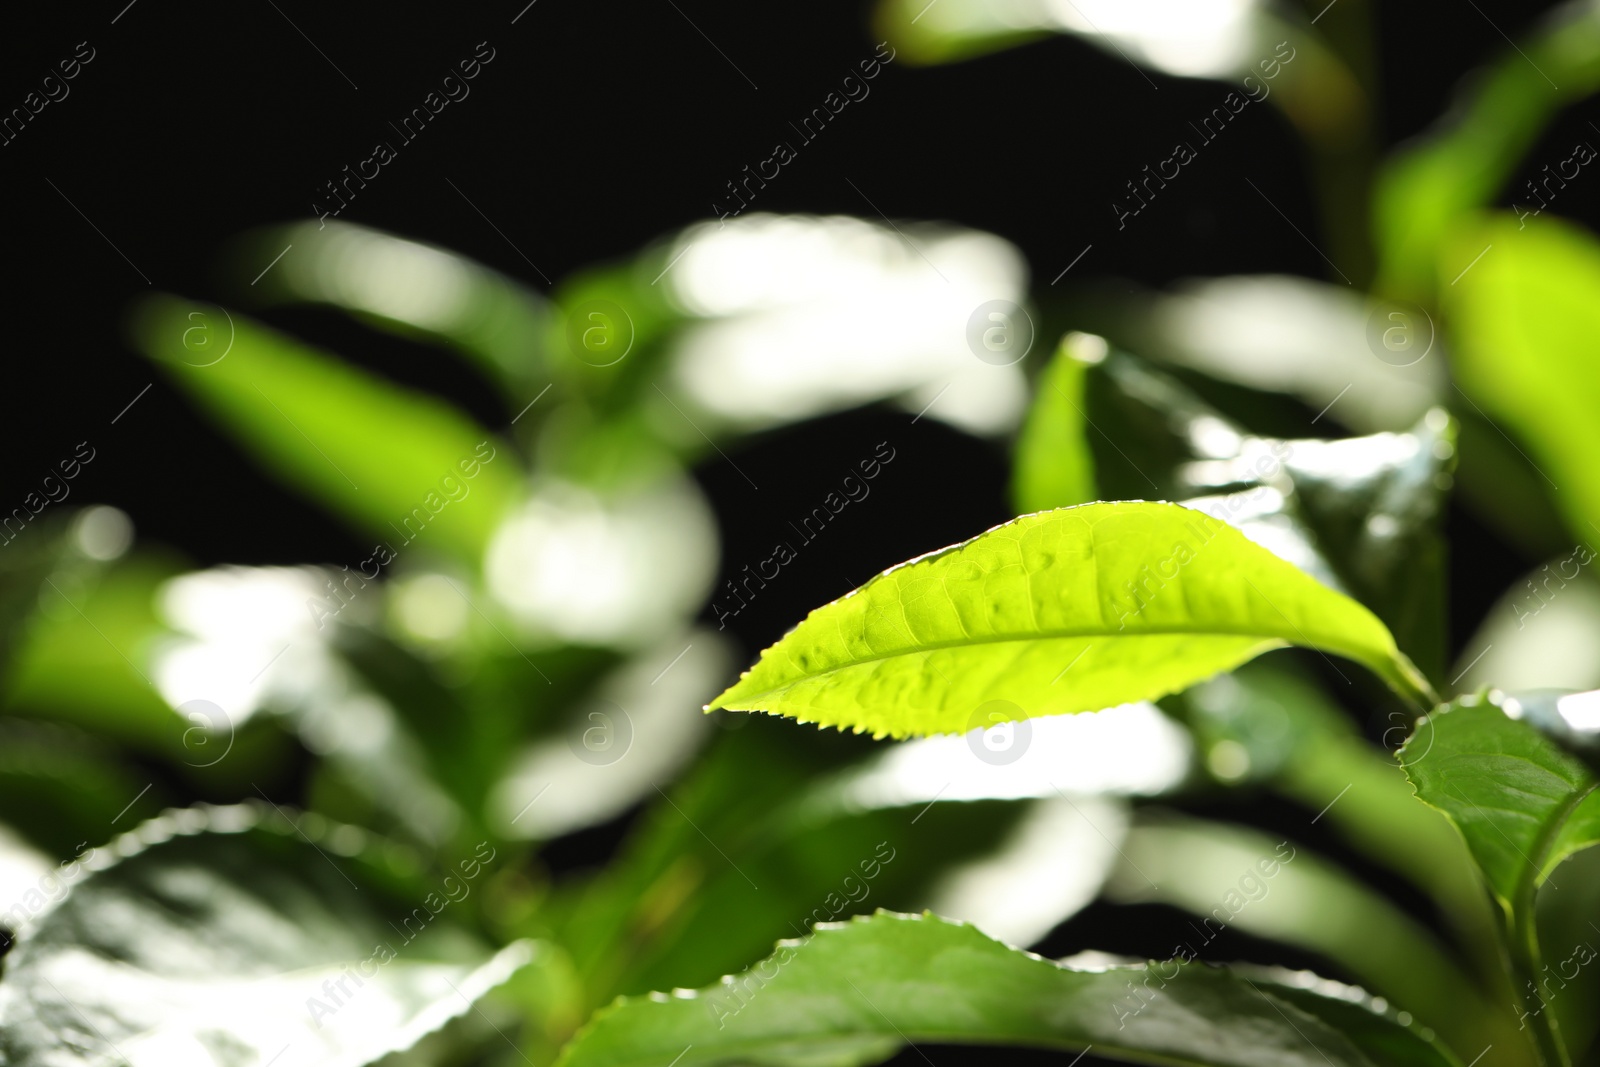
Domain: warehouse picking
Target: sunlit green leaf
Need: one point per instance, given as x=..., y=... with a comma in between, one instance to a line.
x=854, y=993
x=221, y=943
x=402, y=466
x=1054, y=467
x=1070, y=610
x=1524, y=321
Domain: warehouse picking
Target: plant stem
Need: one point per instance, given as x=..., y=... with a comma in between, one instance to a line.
x=1523, y=939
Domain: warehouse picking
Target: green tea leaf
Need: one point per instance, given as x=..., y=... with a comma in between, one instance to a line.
x=1070, y=610
x=400, y=465
x=1522, y=803
x=1054, y=468
x=853, y=993
x=223, y=942
x=1525, y=317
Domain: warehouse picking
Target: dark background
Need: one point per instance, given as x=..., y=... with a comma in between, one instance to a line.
x=598, y=127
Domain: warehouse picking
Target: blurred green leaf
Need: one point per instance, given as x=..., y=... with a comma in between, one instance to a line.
x=1053, y=467
x=855, y=993
x=60, y=787
x=85, y=657
x=1524, y=319
x=971, y=32
x=1238, y=878
x=796, y=869
x=467, y=733
x=399, y=465
x=647, y=315
x=1433, y=189
x=1157, y=427
x=1279, y=334
x=25, y=564
x=1504, y=488
x=634, y=728
x=1375, y=505
x=224, y=941
x=1082, y=592
x=1294, y=739
x=1567, y=915
x=410, y=288
x=1362, y=513
x=629, y=915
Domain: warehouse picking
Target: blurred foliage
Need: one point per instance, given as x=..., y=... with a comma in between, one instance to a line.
x=1527, y=316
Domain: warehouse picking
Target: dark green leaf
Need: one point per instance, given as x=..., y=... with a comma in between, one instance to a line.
x=1146, y=427
x=854, y=993
x=1522, y=804
x=60, y=787
x=26, y=561
x=1374, y=507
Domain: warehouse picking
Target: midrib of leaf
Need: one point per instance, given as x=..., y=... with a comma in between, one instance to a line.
x=1388, y=670
x=1052, y=635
